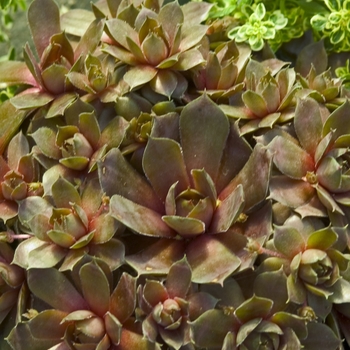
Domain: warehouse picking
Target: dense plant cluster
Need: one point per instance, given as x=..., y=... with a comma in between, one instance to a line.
x=165, y=185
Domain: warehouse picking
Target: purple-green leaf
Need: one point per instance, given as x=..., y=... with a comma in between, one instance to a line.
x=163, y=165
x=200, y=148
x=139, y=218
x=55, y=289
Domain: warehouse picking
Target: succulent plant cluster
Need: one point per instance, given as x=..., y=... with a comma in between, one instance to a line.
x=163, y=186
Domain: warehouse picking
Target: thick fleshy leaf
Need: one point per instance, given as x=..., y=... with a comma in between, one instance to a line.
x=117, y=176
x=291, y=192
x=254, y=177
x=338, y=121
x=45, y=139
x=42, y=332
x=23, y=250
x=157, y=258
x=123, y=299
x=95, y=288
x=191, y=36
x=10, y=121
x=200, y=149
x=91, y=38
x=227, y=211
x=204, y=184
x=139, y=75
x=65, y=193
x=45, y=256
x=188, y=59
x=211, y=260
x=308, y=124
x=31, y=99
x=15, y=72
x=195, y=12
x=119, y=30
x=59, y=105
x=255, y=307
x=322, y=239
x=178, y=280
x=55, y=289
x=299, y=161
x=288, y=241
x=255, y=103
x=113, y=328
x=210, y=329
x=140, y=219
x=154, y=292
x=185, y=226
x=164, y=83
x=54, y=78
x=163, y=165
x=37, y=21
x=320, y=336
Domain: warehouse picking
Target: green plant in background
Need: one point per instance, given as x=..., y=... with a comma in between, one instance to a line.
x=163, y=186
x=334, y=24
x=259, y=27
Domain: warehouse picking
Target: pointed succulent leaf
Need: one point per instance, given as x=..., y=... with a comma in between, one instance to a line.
x=299, y=161
x=157, y=258
x=217, y=264
x=195, y=12
x=51, y=22
x=320, y=335
x=322, y=239
x=247, y=328
x=140, y=219
x=23, y=250
x=61, y=238
x=338, y=121
x=185, y=226
x=31, y=99
x=256, y=171
x=54, y=78
x=154, y=49
x=123, y=299
x=42, y=332
x=255, y=307
x=89, y=127
x=55, y=289
x=64, y=193
x=117, y=176
x=45, y=139
x=14, y=73
x=288, y=241
x=189, y=59
x=272, y=285
x=204, y=184
x=228, y=211
x=90, y=40
x=191, y=36
x=178, y=280
x=10, y=121
x=169, y=17
x=197, y=121
x=308, y=124
x=255, y=102
x=163, y=165
x=210, y=329
x=119, y=30
x=95, y=288
x=164, y=83
x=139, y=75
x=45, y=256
x=60, y=104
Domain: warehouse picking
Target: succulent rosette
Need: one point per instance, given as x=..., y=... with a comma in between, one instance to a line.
x=222, y=75
x=165, y=308
x=268, y=97
x=94, y=318
x=260, y=321
x=314, y=262
x=18, y=175
x=184, y=206
x=322, y=87
x=67, y=228
x=316, y=170
x=157, y=46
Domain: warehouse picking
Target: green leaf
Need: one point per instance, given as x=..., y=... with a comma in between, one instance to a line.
x=338, y=121
x=322, y=239
x=185, y=226
x=64, y=193
x=219, y=262
x=10, y=121
x=55, y=289
x=95, y=288
x=140, y=219
x=288, y=241
x=164, y=165
x=15, y=72
x=31, y=100
x=123, y=299
x=228, y=211
x=255, y=307
x=200, y=148
x=139, y=75
x=320, y=336
x=290, y=159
